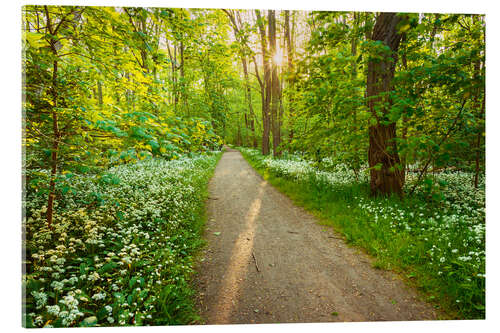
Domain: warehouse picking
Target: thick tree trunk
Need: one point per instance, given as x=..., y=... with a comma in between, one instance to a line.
x=386, y=173
x=267, y=88
x=382, y=151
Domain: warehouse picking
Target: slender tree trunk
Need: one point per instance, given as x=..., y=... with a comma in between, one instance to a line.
x=55, y=125
x=481, y=108
x=176, y=90
x=404, y=118
x=262, y=91
x=267, y=87
x=248, y=97
x=174, y=74
x=238, y=136
x=386, y=174
x=282, y=102
x=182, y=83
x=478, y=148
x=99, y=92
x=354, y=75
x=291, y=82
x=354, y=46
x=275, y=84
x=55, y=148
x=144, y=53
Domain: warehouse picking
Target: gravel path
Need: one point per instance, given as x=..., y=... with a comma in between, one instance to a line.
x=268, y=261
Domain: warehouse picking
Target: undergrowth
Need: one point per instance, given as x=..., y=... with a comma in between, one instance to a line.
x=122, y=248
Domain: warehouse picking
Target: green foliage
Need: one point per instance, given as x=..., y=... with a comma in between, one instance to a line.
x=111, y=95
x=113, y=92
x=131, y=253
x=436, y=102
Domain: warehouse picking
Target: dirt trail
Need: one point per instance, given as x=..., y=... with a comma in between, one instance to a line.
x=272, y=263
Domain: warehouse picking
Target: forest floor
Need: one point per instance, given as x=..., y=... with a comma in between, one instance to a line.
x=269, y=261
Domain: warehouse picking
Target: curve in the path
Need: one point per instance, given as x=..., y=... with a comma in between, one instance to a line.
x=268, y=261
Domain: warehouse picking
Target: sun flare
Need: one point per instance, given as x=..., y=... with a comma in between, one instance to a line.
x=278, y=57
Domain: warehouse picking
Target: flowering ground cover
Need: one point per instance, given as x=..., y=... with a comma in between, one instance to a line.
x=435, y=238
x=122, y=247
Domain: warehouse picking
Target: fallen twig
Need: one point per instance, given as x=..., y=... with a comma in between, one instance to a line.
x=335, y=237
x=255, y=261
x=292, y=232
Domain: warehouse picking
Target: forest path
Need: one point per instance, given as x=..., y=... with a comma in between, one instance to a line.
x=268, y=261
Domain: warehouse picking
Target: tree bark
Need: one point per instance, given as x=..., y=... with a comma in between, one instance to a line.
x=275, y=84
x=289, y=35
x=267, y=87
x=248, y=97
x=481, y=108
x=55, y=148
x=386, y=173
x=182, y=82
x=478, y=148
x=55, y=123
x=99, y=92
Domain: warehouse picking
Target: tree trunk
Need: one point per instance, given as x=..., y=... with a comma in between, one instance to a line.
x=248, y=96
x=144, y=53
x=55, y=123
x=275, y=84
x=55, y=148
x=99, y=92
x=182, y=83
x=480, y=107
x=262, y=89
x=478, y=149
x=267, y=87
x=291, y=82
x=354, y=45
x=404, y=117
x=386, y=174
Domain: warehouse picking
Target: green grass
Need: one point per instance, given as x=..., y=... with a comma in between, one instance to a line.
x=403, y=251
x=178, y=303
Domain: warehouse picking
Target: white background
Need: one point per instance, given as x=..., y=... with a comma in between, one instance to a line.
x=10, y=161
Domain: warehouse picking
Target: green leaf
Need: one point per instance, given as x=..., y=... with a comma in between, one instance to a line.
x=132, y=282
x=36, y=40
x=102, y=313
x=89, y=322
x=107, y=267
